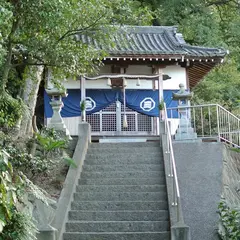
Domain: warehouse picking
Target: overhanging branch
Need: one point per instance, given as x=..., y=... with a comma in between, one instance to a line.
x=78, y=31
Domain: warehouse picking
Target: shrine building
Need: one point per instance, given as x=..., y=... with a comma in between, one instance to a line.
x=144, y=67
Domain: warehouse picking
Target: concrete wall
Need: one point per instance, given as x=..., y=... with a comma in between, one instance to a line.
x=199, y=168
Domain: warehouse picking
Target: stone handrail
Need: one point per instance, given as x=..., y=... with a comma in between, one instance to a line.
x=71, y=180
x=179, y=230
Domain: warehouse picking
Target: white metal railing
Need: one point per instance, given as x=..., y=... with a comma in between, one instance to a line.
x=172, y=171
x=212, y=120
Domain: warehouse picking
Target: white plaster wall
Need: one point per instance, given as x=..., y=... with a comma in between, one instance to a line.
x=139, y=69
x=177, y=74
x=102, y=84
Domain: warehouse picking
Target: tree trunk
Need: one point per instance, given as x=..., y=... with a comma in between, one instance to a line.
x=34, y=77
x=7, y=66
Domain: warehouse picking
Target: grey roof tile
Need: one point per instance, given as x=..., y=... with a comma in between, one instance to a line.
x=154, y=40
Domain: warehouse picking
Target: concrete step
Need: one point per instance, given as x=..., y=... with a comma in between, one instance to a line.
x=117, y=236
x=120, y=205
x=121, y=174
x=125, y=145
x=124, y=155
x=121, y=188
x=122, y=196
x=142, y=150
x=126, y=167
x=122, y=181
x=124, y=160
x=159, y=215
x=117, y=226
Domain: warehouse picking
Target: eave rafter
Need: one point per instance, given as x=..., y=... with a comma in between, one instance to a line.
x=197, y=67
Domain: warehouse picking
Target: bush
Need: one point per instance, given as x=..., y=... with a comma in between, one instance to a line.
x=47, y=154
x=10, y=110
x=14, y=225
x=21, y=227
x=230, y=220
x=28, y=164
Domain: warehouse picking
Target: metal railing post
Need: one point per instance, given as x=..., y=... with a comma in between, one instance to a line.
x=218, y=120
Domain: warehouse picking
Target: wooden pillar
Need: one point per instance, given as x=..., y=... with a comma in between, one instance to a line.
x=160, y=91
x=83, y=96
x=187, y=78
x=160, y=84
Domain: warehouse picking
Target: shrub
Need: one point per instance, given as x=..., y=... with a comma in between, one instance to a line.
x=230, y=220
x=10, y=110
x=14, y=225
x=21, y=227
x=28, y=164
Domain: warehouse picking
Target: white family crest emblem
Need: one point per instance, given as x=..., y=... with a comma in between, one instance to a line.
x=147, y=104
x=90, y=104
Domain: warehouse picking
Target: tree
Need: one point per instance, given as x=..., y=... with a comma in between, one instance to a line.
x=42, y=34
x=213, y=23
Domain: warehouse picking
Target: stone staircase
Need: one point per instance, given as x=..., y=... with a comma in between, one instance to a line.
x=121, y=194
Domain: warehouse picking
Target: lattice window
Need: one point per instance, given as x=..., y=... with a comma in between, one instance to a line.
x=109, y=122
x=131, y=120
x=94, y=121
x=144, y=123
x=106, y=120
x=110, y=108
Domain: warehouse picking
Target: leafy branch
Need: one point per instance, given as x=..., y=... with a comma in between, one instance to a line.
x=79, y=31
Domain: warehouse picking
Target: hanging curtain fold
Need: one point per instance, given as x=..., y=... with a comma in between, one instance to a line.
x=96, y=100
x=142, y=101
x=147, y=101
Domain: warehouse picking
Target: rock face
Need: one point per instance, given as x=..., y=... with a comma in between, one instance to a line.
x=121, y=194
x=231, y=177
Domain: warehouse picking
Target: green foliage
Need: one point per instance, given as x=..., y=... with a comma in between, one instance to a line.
x=21, y=227
x=43, y=32
x=161, y=105
x=14, y=225
x=213, y=24
x=7, y=190
x=10, y=110
x=25, y=162
x=82, y=105
x=221, y=86
x=51, y=142
x=235, y=149
x=230, y=219
x=70, y=162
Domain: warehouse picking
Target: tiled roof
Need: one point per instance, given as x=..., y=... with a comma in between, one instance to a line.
x=154, y=41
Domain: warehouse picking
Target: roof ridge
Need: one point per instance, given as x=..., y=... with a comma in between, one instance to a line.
x=173, y=39
x=205, y=48
x=147, y=29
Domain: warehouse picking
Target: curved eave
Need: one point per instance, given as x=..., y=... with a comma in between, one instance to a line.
x=197, y=72
x=201, y=55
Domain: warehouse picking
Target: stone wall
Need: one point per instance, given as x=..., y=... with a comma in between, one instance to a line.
x=231, y=177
